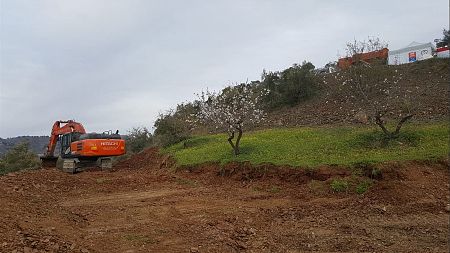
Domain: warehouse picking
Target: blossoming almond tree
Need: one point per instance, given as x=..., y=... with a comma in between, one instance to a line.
x=377, y=85
x=231, y=109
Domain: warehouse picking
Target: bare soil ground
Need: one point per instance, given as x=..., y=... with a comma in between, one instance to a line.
x=143, y=206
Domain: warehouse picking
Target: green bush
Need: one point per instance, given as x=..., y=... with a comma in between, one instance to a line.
x=170, y=129
x=339, y=185
x=363, y=186
x=290, y=86
x=138, y=139
x=19, y=158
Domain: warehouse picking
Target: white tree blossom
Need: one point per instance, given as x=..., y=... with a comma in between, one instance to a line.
x=232, y=108
x=377, y=86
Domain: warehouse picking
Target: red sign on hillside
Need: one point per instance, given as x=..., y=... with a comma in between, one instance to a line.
x=412, y=56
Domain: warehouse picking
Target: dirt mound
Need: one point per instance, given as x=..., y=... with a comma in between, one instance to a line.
x=246, y=172
x=148, y=158
x=143, y=206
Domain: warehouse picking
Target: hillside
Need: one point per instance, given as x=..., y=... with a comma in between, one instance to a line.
x=420, y=88
x=36, y=143
x=426, y=82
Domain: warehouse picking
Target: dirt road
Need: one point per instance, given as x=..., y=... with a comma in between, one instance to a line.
x=142, y=208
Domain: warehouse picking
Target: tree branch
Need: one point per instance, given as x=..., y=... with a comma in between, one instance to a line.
x=399, y=125
x=380, y=123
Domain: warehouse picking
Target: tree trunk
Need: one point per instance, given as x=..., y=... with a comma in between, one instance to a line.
x=400, y=124
x=235, y=145
x=230, y=140
x=381, y=124
x=237, y=151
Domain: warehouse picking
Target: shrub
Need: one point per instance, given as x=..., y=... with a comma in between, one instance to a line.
x=138, y=139
x=363, y=186
x=19, y=158
x=376, y=173
x=339, y=185
x=290, y=86
x=170, y=128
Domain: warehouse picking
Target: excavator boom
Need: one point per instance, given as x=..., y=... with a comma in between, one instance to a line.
x=58, y=129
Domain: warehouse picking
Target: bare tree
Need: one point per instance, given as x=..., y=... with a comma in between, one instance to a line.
x=377, y=87
x=355, y=48
x=231, y=109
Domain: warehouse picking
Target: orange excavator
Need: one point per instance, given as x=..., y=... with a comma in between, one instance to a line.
x=78, y=149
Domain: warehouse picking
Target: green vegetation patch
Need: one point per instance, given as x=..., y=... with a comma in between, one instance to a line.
x=318, y=146
x=339, y=185
x=185, y=181
x=363, y=186
x=19, y=158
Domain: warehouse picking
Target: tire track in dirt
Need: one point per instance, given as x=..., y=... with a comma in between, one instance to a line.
x=120, y=198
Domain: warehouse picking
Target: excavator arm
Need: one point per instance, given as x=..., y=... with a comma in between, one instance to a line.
x=58, y=129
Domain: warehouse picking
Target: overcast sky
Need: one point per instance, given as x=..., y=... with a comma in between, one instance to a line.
x=115, y=64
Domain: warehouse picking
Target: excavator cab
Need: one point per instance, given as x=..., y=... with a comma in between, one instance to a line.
x=66, y=140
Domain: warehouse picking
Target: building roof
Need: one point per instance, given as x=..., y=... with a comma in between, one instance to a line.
x=411, y=47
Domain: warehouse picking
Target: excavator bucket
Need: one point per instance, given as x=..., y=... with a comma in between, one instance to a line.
x=48, y=161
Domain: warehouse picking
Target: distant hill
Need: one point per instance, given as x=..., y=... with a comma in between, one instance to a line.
x=37, y=143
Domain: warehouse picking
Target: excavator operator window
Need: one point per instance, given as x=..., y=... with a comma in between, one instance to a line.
x=66, y=139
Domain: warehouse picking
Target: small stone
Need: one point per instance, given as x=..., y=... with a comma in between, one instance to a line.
x=72, y=246
x=447, y=208
x=4, y=244
x=194, y=249
x=384, y=209
x=361, y=117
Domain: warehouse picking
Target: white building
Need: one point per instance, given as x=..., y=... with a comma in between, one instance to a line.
x=443, y=52
x=411, y=53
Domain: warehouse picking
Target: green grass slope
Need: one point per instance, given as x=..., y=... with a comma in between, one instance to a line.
x=318, y=146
